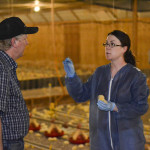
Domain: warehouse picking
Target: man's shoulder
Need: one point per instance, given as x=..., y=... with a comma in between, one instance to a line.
x=3, y=66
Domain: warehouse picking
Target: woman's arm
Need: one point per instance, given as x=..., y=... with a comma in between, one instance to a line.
x=139, y=103
x=78, y=91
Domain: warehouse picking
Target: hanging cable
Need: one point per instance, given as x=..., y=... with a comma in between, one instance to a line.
x=54, y=48
x=11, y=7
x=113, y=11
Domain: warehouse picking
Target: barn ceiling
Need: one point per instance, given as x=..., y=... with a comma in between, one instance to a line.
x=72, y=10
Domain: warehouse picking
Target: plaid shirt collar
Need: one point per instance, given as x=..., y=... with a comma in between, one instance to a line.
x=9, y=60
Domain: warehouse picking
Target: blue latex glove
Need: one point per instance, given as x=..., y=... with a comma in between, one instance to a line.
x=109, y=106
x=69, y=67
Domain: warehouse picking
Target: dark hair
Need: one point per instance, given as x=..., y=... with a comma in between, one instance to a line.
x=125, y=41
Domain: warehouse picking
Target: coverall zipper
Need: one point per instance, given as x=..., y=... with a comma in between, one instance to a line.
x=109, y=115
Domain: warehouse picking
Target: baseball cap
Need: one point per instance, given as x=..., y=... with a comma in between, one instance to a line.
x=13, y=26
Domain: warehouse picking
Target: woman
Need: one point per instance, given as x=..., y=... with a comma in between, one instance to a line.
x=116, y=124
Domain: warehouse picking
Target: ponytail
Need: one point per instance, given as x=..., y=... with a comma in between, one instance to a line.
x=129, y=57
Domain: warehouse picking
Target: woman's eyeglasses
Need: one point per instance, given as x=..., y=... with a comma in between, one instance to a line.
x=111, y=45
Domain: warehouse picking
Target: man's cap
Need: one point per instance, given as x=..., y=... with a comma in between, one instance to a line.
x=13, y=26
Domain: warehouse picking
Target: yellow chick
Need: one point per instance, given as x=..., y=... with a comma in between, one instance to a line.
x=102, y=98
x=50, y=147
x=52, y=106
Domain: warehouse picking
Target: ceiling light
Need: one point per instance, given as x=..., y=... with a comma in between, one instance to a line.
x=36, y=8
x=36, y=2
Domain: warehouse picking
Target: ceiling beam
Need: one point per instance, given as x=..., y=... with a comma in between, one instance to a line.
x=76, y=16
x=41, y=14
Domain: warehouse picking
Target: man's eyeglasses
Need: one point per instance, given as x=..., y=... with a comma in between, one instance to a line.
x=111, y=45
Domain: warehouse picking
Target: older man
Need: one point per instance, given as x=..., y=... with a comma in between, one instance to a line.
x=14, y=117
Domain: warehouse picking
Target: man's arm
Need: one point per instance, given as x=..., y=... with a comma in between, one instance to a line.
x=1, y=144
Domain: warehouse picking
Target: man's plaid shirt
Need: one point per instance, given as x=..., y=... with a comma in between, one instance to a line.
x=13, y=111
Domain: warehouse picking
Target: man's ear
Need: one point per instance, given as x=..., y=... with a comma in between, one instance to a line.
x=13, y=42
